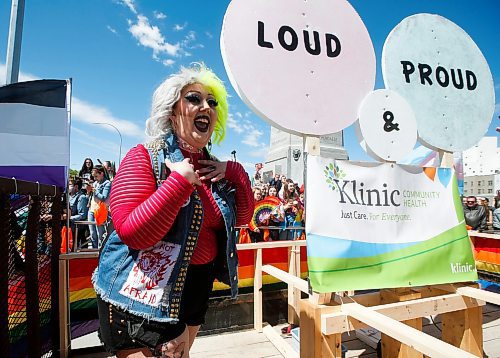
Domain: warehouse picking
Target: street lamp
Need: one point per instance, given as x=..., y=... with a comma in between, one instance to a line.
x=233, y=153
x=109, y=124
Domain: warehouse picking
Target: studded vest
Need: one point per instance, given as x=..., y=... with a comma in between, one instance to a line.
x=149, y=282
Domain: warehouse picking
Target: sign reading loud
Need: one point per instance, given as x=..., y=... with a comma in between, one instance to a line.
x=289, y=40
x=290, y=59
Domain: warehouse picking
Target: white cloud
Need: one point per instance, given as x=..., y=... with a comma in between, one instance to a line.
x=238, y=114
x=86, y=112
x=111, y=29
x=168, y=62
x=130, y=4
x=159, y=15
x=233, y=124
x=150, y=37
x=251, y=138
x=189, y=39
x=209, y=35
x=178, y=27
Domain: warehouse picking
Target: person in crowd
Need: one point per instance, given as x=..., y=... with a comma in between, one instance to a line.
x=257, y=194
x=276, y=181
x=256, y=235
x=101, y=189
x=475, y=215
x=110, y=169
x=489, y=211
x=174, y=207
x=496, y=214
x=273, y=191
x=288, y=191
x=275, y=219
x=86, y=172
x=78, y=206
x=263, y=190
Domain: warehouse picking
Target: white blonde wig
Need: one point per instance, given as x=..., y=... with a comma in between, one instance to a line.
x=169, y=92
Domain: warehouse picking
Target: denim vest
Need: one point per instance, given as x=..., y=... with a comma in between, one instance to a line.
x=149, y=282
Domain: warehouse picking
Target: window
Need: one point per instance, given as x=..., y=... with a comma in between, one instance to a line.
x=490, y=191
x=479, y=183
x=471, y=183
x=490, y=182
x=465, y=191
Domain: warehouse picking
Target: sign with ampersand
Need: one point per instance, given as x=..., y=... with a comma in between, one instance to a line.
x=386, y=126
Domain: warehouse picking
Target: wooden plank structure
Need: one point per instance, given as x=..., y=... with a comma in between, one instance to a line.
x=397, y=313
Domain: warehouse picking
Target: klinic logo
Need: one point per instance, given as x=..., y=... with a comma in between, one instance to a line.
x=461, y=268
x=355, y=193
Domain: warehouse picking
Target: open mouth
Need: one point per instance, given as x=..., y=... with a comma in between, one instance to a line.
x=202, y=123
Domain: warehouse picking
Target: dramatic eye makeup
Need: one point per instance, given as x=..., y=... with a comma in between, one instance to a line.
x=196, y=99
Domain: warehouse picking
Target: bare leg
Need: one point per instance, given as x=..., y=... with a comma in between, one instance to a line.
x=193, y=331
x=176, y=348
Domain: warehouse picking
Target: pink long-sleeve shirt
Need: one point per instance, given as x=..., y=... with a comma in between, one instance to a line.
x=142, y=214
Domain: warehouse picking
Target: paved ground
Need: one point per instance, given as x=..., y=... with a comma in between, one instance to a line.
x=251, y=344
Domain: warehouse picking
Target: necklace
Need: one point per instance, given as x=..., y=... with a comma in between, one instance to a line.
x=188, y=147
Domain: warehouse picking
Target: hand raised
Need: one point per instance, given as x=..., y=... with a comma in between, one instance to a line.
x=186, y=169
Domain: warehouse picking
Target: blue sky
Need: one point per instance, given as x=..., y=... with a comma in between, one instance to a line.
x=117, y=52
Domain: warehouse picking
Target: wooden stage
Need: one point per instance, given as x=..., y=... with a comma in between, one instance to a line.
x=251, y=344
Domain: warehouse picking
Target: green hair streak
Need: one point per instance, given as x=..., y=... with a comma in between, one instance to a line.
x=210, y=80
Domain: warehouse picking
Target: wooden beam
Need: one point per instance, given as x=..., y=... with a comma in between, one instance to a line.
x=340, y=322
x=293, y=293
x=257, y=291
x=284, y=276
x=416, y=339
x=392, y=348
x=464, y=329
x=365, y=299
x=270, y=245
x=487, y=296
x=314, y=344
x=285, y=349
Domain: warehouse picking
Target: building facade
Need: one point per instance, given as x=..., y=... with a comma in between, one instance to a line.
x=286, y=154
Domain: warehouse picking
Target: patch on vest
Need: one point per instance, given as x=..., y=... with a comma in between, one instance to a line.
x=149, y=276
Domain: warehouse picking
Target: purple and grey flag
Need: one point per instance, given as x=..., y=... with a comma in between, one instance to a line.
x=34, y=131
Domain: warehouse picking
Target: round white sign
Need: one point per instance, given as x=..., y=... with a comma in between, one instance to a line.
x=386, y=126
x=439, y=69
x=304, y=66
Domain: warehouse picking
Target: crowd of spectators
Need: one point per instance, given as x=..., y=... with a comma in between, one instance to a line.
x=480, y=215
x=86, y=192
x=279, y=211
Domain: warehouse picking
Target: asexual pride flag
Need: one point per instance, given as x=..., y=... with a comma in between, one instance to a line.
x=34, y=131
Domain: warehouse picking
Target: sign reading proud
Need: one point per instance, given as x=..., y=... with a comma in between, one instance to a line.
x=303, y=66
x=441, y=72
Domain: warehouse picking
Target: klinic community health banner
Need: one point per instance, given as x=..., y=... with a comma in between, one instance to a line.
x=372, y=225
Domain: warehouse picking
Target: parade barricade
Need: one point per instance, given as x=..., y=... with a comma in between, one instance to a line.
x=30, y=240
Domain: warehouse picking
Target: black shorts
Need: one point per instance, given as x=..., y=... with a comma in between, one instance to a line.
x=121, y=330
